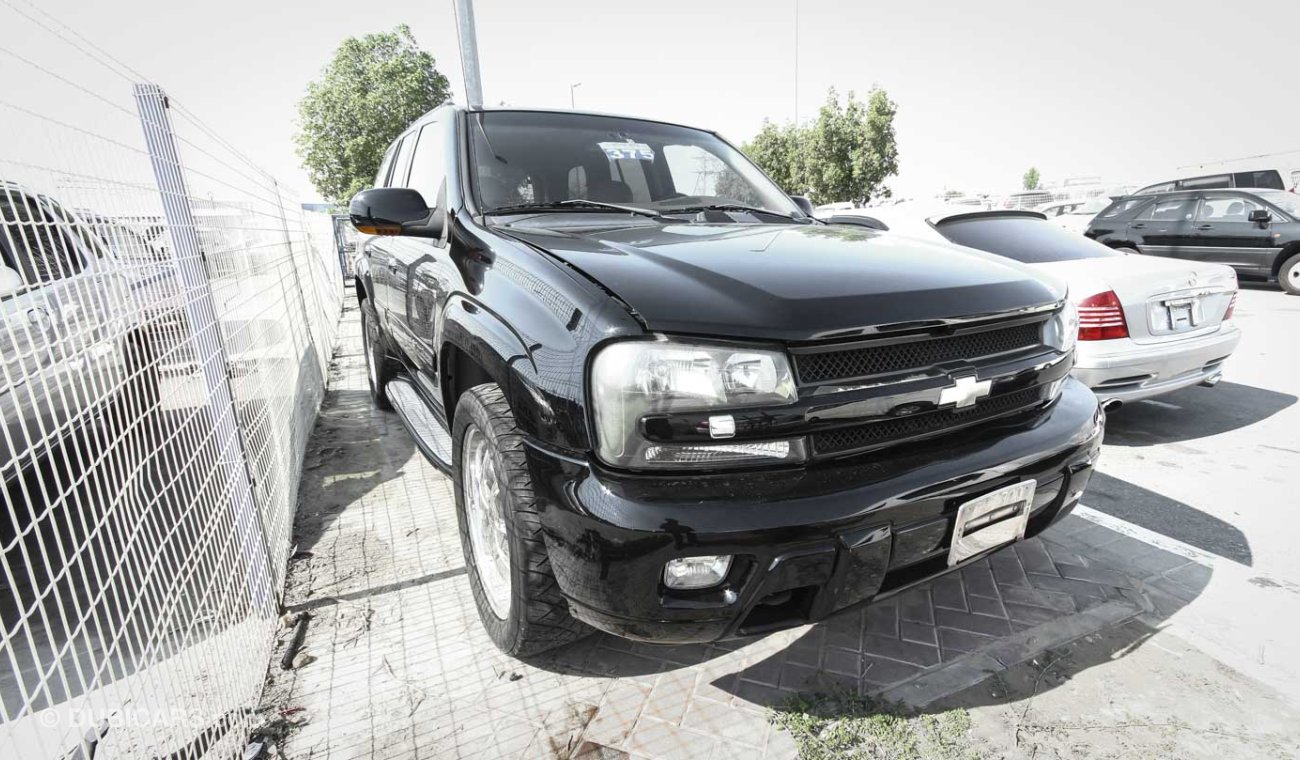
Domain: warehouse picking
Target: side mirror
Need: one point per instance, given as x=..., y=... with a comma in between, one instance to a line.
x=395, y=211
x=803, y=203
x=1260, y=216
x=10, y=281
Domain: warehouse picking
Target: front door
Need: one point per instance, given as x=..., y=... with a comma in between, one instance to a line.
x=1224, y=234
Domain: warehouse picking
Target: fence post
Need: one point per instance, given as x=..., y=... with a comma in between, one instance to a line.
x=205, y=331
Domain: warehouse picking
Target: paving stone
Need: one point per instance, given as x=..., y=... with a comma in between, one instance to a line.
x=914, y=606
x=1052, y=600
x=984, y=605
x=767, y=670
x=798, y=677
x=727, y=723
x=904, y=651
x=1098, y=575
x=978, y=579
x=948, y=592
x=1034, y=558
x=1007, y=570
x=964, y=621
x=761, y=695
x=919, y=633
x=1024, y=613
x=1193, y=576
x=1096, y=536
x=844, y=661
x=617, y=713
x=882, y=618
x=671, y=693
x=951, y=639
x=1078, y=589
x=882, y=672
x=665, y=741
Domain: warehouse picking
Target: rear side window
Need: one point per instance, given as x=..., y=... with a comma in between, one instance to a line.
x=1201, y=183
x=381, y=178
x=1169, y=210
x=1225, y=208
x=1268, y=179
x=1025, y=239
x=429, y=168
x=402, y=164
x=1121, y=206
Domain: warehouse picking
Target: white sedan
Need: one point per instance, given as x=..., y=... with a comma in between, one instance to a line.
x=1147, y=325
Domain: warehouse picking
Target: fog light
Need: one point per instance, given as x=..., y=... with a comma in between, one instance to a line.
x=696, y=572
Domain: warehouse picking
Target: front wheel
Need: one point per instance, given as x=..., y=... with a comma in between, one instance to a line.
x=1289, y=275
x=510, y=575
x=379, y=368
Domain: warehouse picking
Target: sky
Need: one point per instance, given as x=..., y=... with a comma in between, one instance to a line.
x=1129, y=91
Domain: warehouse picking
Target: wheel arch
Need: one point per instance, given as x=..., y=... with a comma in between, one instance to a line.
x=1288, y=250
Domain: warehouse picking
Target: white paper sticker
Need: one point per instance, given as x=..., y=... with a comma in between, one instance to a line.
x=632, y=151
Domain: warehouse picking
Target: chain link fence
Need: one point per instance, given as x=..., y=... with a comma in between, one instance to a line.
x=167, y=312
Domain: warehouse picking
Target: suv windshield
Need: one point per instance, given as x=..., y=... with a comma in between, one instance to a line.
x=523, y=159
x=1025, y=239
x=1288, y=202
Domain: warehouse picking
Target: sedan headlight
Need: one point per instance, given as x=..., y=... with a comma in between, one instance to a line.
x=1062, y=330
x=634, y=379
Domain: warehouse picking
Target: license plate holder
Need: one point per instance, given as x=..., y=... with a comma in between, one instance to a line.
x=991, y=520
x=1183, y=313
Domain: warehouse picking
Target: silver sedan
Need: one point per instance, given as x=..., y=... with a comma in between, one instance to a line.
x=1147, y=325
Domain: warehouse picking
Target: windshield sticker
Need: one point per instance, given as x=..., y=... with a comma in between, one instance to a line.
x=632, y=151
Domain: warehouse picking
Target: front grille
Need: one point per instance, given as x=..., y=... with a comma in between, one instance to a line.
x=914, y=355
x=901, y=428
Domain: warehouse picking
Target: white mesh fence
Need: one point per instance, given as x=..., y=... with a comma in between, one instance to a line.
x=166, y=317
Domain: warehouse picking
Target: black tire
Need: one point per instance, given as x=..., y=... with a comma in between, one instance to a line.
x=380, y=369
x=539, y=617
x=1288, y=276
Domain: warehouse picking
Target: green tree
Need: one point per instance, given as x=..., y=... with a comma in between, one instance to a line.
x=372, y=89
x=847, y=154
x=1031, y=179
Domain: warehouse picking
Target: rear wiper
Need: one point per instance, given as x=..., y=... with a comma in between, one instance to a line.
x=574, y=203
x=731, y=207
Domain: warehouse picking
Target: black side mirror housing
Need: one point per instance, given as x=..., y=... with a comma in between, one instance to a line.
x=1260, y=216
x=395, y=211
x=803, y=203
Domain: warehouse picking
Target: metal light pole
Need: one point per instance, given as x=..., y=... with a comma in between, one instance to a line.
x=573, y=87
x=469, y=52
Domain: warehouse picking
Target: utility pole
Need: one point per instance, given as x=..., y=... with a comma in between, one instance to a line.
x=573, y=87
x=796, y=63
x=469, y=52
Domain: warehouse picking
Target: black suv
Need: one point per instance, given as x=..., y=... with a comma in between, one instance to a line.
x=1256, y=232
x=677, y=408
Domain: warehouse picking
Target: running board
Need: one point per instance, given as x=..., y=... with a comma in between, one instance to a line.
x=430, y=434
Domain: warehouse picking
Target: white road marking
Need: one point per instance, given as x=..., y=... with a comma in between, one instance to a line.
x=1145, y=535
x=1164, y=404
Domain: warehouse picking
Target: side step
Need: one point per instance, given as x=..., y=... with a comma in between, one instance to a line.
x=430, y=435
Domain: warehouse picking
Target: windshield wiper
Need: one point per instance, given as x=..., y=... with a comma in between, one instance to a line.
x=574, y=204
x=731, y=207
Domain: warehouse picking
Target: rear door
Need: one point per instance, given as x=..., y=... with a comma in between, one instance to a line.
x=1224, y=234
x=1164, y=228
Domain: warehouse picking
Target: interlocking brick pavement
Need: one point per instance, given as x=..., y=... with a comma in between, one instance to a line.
x=403, y=668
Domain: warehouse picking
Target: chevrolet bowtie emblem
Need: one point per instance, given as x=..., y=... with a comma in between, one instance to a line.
x=965, y=391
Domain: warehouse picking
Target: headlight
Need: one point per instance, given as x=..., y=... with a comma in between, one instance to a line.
x=637, y=378
x=1062, y=330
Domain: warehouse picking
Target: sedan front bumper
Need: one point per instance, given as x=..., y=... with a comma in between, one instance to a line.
x=807, y=542
x=1122, y=370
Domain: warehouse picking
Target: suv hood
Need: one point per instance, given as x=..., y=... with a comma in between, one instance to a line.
x=785, y=282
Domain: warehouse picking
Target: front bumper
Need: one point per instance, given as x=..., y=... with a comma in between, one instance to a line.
x=1122, y=370
x=807, y=542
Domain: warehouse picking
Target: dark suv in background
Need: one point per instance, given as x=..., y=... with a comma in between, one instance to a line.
x=1256, y=231
x=677, y=408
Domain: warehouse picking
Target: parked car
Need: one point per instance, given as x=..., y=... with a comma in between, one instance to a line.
x=1027, y=199
x=1147, y=326
x=63, y=312
x=1075, y=216
x=1256, y=232
x=1266, y=179
x=677, y=408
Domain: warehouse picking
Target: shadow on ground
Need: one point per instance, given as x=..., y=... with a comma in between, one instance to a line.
x=1204, y=412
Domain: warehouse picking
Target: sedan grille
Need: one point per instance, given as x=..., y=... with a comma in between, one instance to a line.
x=853, y=363
x=897, y=429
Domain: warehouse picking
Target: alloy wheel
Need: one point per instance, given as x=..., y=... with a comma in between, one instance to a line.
x=485, y=518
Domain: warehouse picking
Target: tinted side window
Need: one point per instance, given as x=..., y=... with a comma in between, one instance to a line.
x=1264, y=179
x=402, y=164
x=1169, y=210
x=1027, y=240
x=381, y=178
x=1119, y=207
x=1225, y=208
x=429, y=167
x=1201, y=183
x=40, y=246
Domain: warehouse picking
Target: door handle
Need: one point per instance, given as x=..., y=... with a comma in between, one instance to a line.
x=1139, y=226
x=1205, y=227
